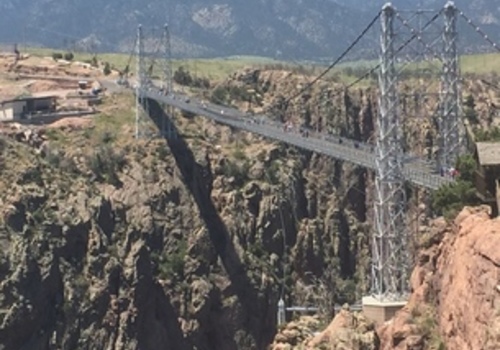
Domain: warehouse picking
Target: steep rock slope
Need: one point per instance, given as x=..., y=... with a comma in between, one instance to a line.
x=455, y=300
x=114, y=243
x=111, y=242
x=456, y=289
x=346, y=331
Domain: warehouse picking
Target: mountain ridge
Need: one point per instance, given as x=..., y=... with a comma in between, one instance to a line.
x=281, y=29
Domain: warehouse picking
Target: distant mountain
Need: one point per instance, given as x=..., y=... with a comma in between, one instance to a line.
x=288, y=29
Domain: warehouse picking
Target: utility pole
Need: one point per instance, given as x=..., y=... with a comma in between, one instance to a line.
x=449, y=122
x=390, y=244
x=141, y=84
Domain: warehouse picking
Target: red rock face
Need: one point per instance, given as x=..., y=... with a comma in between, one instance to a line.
x=458, y=280
x=468, y=272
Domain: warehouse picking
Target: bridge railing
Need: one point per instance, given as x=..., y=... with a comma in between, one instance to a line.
x=282, y=310
x=313, y=134
x=416, y=170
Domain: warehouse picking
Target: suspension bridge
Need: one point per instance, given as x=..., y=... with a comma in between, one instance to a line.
x=391, y=258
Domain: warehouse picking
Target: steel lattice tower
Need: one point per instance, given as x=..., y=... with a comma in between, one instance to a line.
x=141, y=84
x=167, y=61
x=449, y=121
x=167, y=85
x=389, y=242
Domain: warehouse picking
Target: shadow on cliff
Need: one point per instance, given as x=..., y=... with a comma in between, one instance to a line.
x=260, y=321
x=157, y=324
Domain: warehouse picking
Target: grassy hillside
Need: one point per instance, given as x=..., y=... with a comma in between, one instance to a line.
x=212, y=68
x=480, y=63
x=219, y=68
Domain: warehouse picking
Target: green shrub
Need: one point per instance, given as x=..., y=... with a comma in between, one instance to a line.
x=491, y=134
x=470, y=110
x=69, y=166
x=220, y=95
x=163, y=151
x=57, y=56
x=105, y=164
x=182, y=77
x=238, y=171
x=171, y=265
x=425, y=320
x=226, y=94
x=107, y=69
x=53, y=158
x=466, y=166
x=68, y=56
x=239, y=154
x=451, y=198
x=272, y=172
x=107, y=137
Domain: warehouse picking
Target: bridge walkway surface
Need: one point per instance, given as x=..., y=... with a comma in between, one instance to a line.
x=417, y=171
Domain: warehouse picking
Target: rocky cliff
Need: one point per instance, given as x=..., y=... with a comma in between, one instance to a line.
x=113, y=243
x=456, y=289
x=455, y=300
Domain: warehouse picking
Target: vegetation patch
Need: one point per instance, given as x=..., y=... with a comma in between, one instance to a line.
x=105, y=163
x=237, y=170
x=452, y=197
x=424, y=317
x=484, y=135
x=171, y=264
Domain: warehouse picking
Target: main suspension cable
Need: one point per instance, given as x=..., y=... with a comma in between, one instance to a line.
x=479, y=30
x=332, y=65
x=375, y=68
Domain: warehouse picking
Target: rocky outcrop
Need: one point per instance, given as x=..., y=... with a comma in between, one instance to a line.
x=77, y=266
x=347, y=331
x=294, y=334
x=456, y=295
x=454, y=302
x=469, y=296
x=190, y=242
x=184, y=243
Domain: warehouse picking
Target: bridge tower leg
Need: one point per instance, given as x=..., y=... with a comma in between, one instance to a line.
x=390, y=263
x=450, y=141
x=141, y=84
x=167, y=55
x=167, y=84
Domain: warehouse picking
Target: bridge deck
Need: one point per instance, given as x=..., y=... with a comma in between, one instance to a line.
x=416, y=171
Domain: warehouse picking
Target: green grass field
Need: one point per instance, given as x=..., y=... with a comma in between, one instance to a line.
x=480, y=63
x=212, y=68
x=219, y=68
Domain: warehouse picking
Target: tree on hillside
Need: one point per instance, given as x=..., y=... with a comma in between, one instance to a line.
x=107, y=69
x=68, y=56
x=451, y=198
x=470, y=110
x=94, y=62
x=57, y=56
x=183, y=77
x=466, y=166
